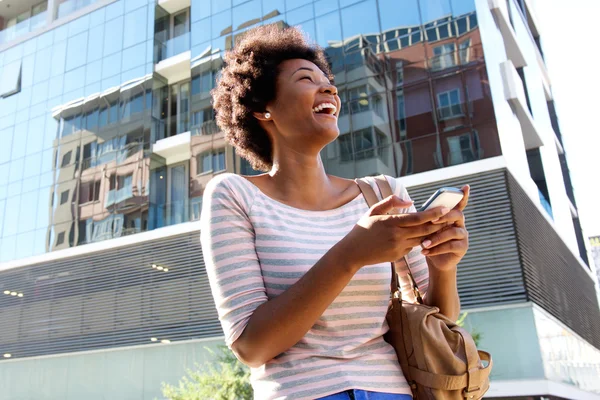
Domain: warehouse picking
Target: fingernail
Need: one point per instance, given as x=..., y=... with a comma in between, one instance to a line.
x=426, y=243
x=445, y=210
x=436, y=221
x=425, y=252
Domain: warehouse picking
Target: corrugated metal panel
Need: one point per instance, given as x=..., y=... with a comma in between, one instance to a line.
x=553, y=277
x=490, y=273
x=108, y=299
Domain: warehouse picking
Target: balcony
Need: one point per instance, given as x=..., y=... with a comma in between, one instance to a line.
x=172, y=6
x=70, y=6
x=206, y=128
x=514, y=52
x=177, y=212
x=23, y=27
x=117, y=196
x=172, y=58
x=174, y=149
x=515, y=95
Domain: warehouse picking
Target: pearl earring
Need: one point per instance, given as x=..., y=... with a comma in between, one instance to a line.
x=267, y=115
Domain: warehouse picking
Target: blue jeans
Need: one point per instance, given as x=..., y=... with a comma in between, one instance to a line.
x=357, y=394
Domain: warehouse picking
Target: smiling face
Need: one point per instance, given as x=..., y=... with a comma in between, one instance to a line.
x=305, y=110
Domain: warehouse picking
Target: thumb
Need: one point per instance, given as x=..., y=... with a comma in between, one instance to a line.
x=389, y=204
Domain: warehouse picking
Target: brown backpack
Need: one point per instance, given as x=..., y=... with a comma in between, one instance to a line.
x=439, y=359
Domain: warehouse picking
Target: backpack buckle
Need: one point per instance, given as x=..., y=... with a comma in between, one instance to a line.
x=470, y=394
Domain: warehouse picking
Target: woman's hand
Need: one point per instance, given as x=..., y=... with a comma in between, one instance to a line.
x=379, y=237
x=448, y=246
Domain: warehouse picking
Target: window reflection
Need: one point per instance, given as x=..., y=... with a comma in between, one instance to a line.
x=78, y=135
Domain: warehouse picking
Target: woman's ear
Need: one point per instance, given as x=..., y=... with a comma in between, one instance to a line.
x=265, y=116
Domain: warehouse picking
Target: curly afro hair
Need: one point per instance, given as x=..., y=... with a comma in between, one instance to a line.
x=247, y=84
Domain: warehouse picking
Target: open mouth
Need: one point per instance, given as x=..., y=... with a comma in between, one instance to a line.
x=326, y=108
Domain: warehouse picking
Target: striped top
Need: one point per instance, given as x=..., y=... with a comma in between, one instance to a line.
x=256, y=247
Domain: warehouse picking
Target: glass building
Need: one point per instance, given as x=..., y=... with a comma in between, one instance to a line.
x=108, y=139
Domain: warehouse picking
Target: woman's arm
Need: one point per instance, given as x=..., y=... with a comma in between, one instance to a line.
x=258, y=329
x=443, y=291
x=444, y=250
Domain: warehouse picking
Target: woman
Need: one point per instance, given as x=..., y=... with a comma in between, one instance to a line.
x=298, y=264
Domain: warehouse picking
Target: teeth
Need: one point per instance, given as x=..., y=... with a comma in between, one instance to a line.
x=325, y=105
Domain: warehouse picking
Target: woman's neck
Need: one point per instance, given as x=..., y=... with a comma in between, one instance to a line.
x=303, y=181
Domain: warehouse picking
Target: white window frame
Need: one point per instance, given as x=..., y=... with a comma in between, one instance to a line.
x=451, y=114
x=444, y=56
x=455, y=158
x=10, y=79
x=464, y=51
x=212, y=154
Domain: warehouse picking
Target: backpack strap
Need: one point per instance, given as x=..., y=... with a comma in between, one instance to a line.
x=386, y=190
x=372, y=199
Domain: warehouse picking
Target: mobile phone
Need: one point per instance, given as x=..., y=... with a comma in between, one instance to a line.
x=445, y=197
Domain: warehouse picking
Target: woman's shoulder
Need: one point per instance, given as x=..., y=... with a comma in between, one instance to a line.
x=230, y=186
x=395, y=183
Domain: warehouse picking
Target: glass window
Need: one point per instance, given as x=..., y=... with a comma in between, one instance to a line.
x=391, y=18
x=5, y=149
x=91, y=120
x=113, y=113
x=461, y=149
x=221, y=24
x=360, y=19
x=10, y=80
x=325, y=6
x=443, y=57
x=113, y=36
x=219, y=161
x=465, y=51
x=220, y=5
x=444, y=32
x=432, y=10
x=449, y=104
x=111, y=66
x=66, y=160
x=64, y=197
x=134, y=30
x=211, y=161
x=19, y=145
x=59, y=55
x=201, y=32
x=246, y=15
x=41, y=72
x=60, y=238
x=299, y=15
x=200, y=9
x=329, y=29
x=96, y=43
x=77, y=51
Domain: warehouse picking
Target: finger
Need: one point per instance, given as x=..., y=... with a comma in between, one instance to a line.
x=420, y=218
x=388, y=204
x=454, y=217
x=458, y=247
x=465, y=200
x=421, y=232
x=446, y=235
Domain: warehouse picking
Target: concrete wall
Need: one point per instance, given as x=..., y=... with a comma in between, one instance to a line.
x=129, y=373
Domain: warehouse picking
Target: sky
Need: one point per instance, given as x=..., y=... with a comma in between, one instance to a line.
x=568, y=29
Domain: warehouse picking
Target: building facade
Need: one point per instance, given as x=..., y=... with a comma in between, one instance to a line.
x=108, y=140
x=595, y=250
